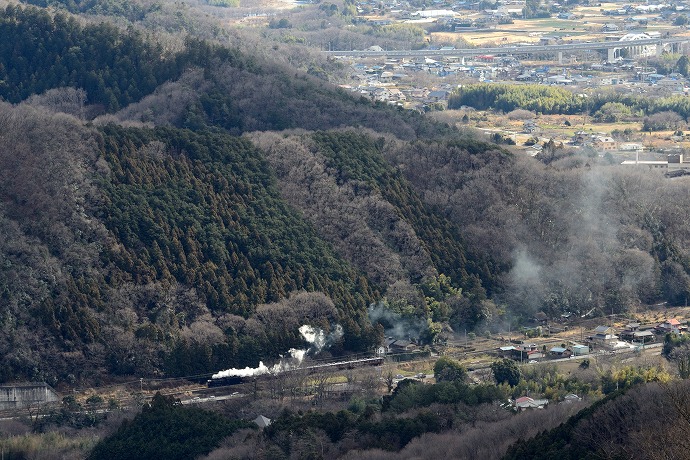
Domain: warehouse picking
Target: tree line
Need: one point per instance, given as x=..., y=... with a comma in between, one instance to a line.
x=551, y=100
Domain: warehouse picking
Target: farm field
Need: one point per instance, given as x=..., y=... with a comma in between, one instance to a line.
x=588, y=27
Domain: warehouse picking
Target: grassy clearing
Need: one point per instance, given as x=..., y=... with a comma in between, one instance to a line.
x=547, y=23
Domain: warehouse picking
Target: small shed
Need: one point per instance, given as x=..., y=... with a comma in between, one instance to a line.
x=534, y=354
x=580, y=350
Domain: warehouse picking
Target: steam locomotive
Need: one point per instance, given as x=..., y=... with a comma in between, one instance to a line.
x=339, y=365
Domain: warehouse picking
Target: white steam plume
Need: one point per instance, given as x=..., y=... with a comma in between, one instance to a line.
x=293, y=361
x=313, y=335
x=318, y=338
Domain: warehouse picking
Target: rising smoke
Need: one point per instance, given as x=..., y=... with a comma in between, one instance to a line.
x=574, y=257
x=317, y=339
x=526, y=281
x=394, y=324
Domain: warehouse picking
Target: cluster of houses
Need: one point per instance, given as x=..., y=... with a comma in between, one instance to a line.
x=466, y=14
x=475, y=14
x=441, y=9
x=623, y=74
x=391, y=345
x=672, y=165
x=603, y=337
x=603, y=143
x=608, y=337
x=526, y=352
x=393, y=80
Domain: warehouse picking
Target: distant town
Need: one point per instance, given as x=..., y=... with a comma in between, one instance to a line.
x=630, y=49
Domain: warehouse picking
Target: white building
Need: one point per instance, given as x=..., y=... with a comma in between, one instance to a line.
x=631, y=147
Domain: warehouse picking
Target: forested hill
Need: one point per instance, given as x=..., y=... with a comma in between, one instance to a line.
x=169, y=250
x=643, y=422
x=173, y=250
x=157, y=222
x=149, y=250
x=40, y=51
x=202, y=210
x=383, y=225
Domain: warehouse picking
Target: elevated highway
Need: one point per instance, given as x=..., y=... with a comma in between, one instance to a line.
x=610, y=46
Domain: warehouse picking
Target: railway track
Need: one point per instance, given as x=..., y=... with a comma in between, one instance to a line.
x=182, y=389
